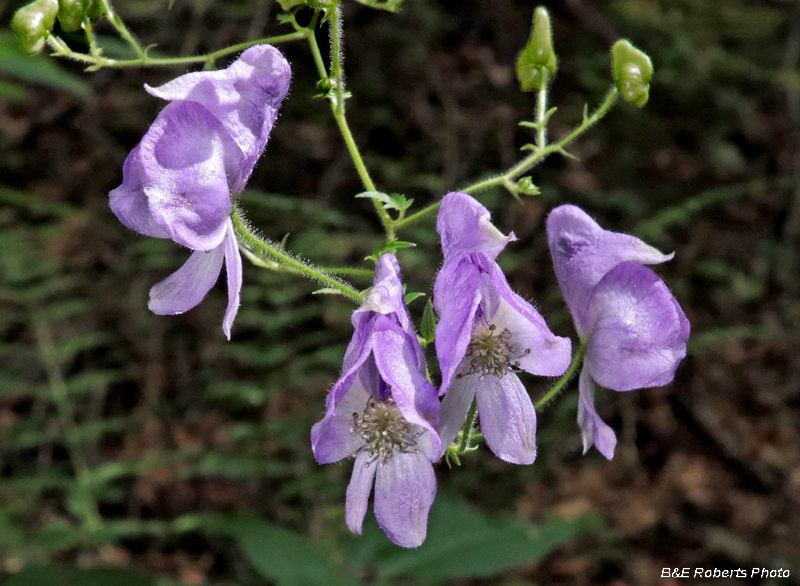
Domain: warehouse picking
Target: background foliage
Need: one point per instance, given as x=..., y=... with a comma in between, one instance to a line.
x=137, y=449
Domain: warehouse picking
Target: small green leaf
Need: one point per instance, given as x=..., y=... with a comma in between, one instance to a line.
x=394, y=201
x=428, y=326
x=391, y=248
x=389, y=5
x=412, y=296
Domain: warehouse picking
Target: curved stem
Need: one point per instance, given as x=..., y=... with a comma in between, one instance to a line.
x=270, y=252
x=525, y=164
x=97, y=61
x=541, y=110
x=560, y=383
x=469, y=425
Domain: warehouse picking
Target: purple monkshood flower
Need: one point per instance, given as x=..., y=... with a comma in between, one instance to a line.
x=633, y=328
x=383, y=411
x=485, y=333
x=180, y=181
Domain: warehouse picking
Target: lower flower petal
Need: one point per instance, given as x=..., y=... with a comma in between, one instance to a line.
x=404, y=490
x=455, y=406
x=594, y=430
x=233, y=266
x=507, y=416
x=187, y=286
x=358, y=491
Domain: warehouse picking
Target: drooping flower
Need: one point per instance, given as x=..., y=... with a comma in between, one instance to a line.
x=383, y=411
x=485, y=333
x=634, y=330
x=181, y=180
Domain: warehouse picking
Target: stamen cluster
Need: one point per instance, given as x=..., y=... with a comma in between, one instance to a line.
x=384, y=431
x=490, y=352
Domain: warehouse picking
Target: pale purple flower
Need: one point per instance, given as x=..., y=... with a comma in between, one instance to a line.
x=633, y=327
x=180, y=181
x=485, y=333
x=383, y=411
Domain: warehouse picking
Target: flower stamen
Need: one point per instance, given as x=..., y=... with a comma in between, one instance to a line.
x=384, y=430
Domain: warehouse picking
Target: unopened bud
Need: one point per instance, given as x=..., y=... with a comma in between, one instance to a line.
x=72, y=13
x=526, y=186
x=539, y=57
x=633, y=71
x=31, y=24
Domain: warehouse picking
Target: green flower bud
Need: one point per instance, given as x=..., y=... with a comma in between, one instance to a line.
x=71, y=13
x=31, y=24
x=633, y=71
x=538, y=57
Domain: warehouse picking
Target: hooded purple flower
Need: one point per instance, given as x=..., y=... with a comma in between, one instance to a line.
x=384, y=412
x=634, y=330
x=180, y=181
x=485, y=333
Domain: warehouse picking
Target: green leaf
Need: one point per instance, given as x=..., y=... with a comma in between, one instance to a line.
x=462, y=544
x=62, y=576
x=428, y=326
x=391, y=248
x=393, y=201
x=390, y=5
x=285, y=557
x=409, y=297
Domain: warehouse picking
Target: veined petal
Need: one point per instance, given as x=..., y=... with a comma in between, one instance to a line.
x=583, y=253
x=549, y=354
x=465, y=227
x=508, y=420
x=332, y=438
x=187, y=286
x=415, y=396
x=456, y=296
x=404, y=491
x=594, y=430
x=233, y=266
x=358, y=491
x=129, y=202
x=455, y=407
x=638, y=332
x=245, y=97
x=186, y=159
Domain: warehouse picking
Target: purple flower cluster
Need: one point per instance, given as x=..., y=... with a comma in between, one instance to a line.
x=180, y=181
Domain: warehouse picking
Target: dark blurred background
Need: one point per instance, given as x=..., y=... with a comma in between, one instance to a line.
x=137, y=449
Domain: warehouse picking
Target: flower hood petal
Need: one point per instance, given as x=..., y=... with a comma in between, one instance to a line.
x=245, y=97
x=583, y=253
x=186, y=158
x=129, y=202
x=638, y=331
x=465, y=227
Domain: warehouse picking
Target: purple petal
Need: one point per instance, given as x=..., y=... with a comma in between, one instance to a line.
x=549, y=354
x=233, y=265
x=404, y=492
x=332, y=438
x=455, y=407
x=594, y=430
x=456, y=296
x=186, y=159
x=386, y=296
x=186, y=287
x=415, y=396
x=358, y=491
x=508, y=420
x=465, y=227
x=583, y=253
x=638, y=330
x=245, y=97
x=129, y=203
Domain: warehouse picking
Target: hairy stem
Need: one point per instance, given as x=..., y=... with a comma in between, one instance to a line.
x=274, y=253
x=565, y=378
